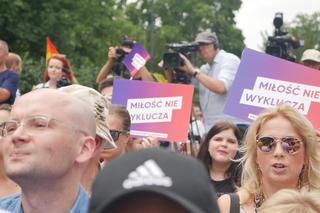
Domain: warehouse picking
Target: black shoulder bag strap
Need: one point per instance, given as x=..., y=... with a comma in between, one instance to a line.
x=234, y=203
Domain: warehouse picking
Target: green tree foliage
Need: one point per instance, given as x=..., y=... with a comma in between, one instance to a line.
x=178, y=21
x=81, y=29
x=307, y=28
x=84, y=29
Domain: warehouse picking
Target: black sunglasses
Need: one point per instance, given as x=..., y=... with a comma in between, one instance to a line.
x=289, y=144
x=116, y=133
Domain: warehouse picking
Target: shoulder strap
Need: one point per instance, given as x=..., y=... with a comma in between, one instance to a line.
x=234, y=203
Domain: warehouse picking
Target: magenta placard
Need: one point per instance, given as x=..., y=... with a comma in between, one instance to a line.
x=161, y=110
x=265, y=81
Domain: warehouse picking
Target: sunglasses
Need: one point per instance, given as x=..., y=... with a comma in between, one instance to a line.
x=289, y=144
x=116, y=133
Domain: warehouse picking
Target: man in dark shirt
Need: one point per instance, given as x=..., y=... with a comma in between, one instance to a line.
x=9, y=80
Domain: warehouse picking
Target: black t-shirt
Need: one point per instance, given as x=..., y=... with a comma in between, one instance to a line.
x=223, y=186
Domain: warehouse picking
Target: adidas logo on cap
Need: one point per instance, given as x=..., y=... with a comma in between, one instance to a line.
x=147, y=174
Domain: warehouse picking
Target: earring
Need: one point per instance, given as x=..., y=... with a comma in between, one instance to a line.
x=300, y=180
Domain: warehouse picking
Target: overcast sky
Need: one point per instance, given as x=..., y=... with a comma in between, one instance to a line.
x=256, y=16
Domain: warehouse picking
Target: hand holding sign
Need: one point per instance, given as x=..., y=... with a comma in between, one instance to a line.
x=136, y=59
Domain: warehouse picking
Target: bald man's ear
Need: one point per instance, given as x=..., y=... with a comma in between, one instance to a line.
x=99, y=145
x=87, y=149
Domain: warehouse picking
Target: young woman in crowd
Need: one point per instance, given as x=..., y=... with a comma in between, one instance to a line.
x=219, y=153
x=57, y=73
x=281, y=153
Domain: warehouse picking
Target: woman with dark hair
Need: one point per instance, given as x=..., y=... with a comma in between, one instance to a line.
x=57, y=73
x=219, y=153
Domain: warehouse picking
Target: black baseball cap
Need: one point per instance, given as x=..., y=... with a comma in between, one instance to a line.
x=179, y=178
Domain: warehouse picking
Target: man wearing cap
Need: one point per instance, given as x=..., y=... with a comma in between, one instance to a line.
x=99, y=107
x=46, y=145
x=311, y=58
x=214, y=78
x=153, y=180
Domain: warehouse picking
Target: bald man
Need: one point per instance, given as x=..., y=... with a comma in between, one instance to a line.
x=48, y=140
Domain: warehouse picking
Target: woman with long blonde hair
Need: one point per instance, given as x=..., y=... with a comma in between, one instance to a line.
x=281, y=152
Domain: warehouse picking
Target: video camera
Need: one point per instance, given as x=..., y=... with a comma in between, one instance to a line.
x=172, y=59
x=282, y=43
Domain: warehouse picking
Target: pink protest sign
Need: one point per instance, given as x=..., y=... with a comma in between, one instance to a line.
x=156, y=109
x=265, y=81
x=136, y=59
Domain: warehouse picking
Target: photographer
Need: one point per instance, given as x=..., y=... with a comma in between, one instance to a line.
x=214, y=78
x=114, y=63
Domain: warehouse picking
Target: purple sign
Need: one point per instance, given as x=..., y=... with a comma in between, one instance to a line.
x=265, y=81
x=136, y=59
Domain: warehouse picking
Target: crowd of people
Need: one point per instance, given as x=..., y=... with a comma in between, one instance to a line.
x=65, y=147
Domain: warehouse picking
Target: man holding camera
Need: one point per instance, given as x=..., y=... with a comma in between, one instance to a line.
x=115, y=57
x=215, y=77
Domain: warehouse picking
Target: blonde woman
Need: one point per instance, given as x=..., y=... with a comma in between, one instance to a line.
x=281, y=153
x=292, y=201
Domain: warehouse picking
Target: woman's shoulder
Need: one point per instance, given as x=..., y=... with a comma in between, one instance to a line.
x=224, y=201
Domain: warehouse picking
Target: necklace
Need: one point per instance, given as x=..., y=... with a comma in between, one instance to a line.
x=258, y=200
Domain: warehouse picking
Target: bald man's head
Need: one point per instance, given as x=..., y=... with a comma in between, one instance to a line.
x=58, y=105
x=4, y=49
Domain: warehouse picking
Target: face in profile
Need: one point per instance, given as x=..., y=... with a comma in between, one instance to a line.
x=107, y=93
x=197, y=113
x=3, y=53
x=223, y=147
x=115, y=124
x=55, y=67
x=4, y=116
x=280, y=152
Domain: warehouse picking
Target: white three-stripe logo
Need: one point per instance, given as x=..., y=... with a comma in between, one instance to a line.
x=149, y=173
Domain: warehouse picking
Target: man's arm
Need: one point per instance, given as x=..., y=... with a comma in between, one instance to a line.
x=9, y=86
x=105, y=70
x=213, y=84
x=144, y=74
x=4, y=94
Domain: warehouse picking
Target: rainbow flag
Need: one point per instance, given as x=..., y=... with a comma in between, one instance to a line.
x=51, y=49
